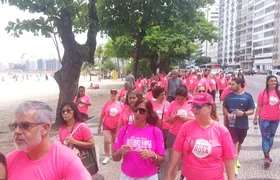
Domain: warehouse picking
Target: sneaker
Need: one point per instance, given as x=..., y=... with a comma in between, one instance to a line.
x=238, y=164
x=235, y=170
x=106, y=160
x=270, y=159
x=266, y=162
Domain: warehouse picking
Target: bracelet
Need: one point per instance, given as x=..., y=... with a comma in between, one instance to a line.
x=155, y=157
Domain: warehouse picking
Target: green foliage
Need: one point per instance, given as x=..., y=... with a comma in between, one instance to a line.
x=108, y=64
x=202, y=60
x=144, y=68
x=120, y=47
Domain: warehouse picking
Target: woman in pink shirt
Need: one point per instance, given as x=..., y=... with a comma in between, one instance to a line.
x=200, y=81
x=179, y=112
x=203, y=145
x=109, y=118
x=161, y=107
x=83, y=101
x=149, y=94
x=222, y=83
x=3, y=167
x=123, y=92
x=139, y=86
x=127, y=116
x=140, y=144
x=268, y=113
x=212, y=85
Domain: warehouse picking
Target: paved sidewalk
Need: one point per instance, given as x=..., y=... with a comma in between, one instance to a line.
x=251, y=157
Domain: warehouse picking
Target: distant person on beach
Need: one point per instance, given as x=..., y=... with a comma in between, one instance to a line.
x=83, y=101
x=130, y=79
x=37, y=156
x=3, y=167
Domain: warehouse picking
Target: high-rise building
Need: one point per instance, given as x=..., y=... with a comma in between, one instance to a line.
x=52, y=65
x=41, y=65
x=211, y=49
x=227, y=32
x=276, y=53
x=244, y=33
x=264, y=32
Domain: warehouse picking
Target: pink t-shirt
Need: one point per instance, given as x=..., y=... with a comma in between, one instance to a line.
x=148, y=138
x=59, y=163
x=83, y=108
x=127, y=115
x=123, y=95
x=201, y=82
x=175, y=108
x=204, y=150
x=226, y=91
x=83, y=133
x=158, y=108
x=270, y=106
x=212, y=84
x=222, y=83
x=111, y=112
x=190, y=83
x=139, y=86
x=149, y=96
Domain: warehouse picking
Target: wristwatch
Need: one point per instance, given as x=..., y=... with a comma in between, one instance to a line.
x=244, y=113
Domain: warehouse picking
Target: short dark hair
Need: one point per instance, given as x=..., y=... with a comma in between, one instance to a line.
x=239, y=81
x=157, y=91
x=152, y=117
x=182, y=91
x=82, y=87
x=73, y=106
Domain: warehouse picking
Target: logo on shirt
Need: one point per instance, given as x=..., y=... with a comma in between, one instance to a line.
x=113, y=112
x=130, y=119
x=202, y=148
x=181, y=112
x=273, y=100
x=159, y=113
x=139, y=143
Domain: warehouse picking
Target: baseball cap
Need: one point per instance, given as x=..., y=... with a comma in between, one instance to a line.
x=112, y=91
x=202, y=98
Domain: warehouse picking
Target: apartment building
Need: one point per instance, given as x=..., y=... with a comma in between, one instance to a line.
x=276, y=49
x=263, y=33
x=244, y=33
x=227, y=32
x=207, y=48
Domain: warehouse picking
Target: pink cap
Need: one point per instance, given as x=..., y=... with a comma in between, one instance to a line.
x=202, y=98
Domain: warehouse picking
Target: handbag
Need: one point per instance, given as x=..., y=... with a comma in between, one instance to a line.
x=87, y=156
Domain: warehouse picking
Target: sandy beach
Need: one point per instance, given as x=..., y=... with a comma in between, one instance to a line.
x=13, y=93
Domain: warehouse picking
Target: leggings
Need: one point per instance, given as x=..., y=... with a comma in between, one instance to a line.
x=268, y=129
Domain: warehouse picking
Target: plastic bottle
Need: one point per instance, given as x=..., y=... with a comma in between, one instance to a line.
x=232, y=122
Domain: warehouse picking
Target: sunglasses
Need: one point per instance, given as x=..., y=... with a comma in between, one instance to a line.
x=197, y=106
x=66, y=110
x=23, y=125
x=200, y=91
x=141, y=110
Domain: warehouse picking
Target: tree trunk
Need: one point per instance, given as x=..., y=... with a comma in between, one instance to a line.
x=139, y=38
x=154, y=62
x=68, y=76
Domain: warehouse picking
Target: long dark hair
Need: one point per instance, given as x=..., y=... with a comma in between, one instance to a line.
x=267, y=87
x=73, y=106
x=4, y=162
x=78, y=94
x=152, y=117
x=138, y=95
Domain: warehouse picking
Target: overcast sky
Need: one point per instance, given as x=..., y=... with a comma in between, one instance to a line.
x=12, y=48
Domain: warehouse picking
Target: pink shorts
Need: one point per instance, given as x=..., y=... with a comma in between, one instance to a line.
x=109, y=129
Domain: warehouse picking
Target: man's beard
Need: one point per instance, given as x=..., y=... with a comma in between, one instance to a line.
x=29, y=145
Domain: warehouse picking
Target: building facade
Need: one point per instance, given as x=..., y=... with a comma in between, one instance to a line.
x=210, y=49
x=244, y=33
x=264, y=33
x=227, y=32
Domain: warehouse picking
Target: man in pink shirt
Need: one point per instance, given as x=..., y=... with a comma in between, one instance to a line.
x=37, y=157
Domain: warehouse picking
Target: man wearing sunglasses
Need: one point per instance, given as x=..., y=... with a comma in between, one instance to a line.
x=37, y=157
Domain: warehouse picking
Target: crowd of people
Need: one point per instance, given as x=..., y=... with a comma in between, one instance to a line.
x=174, y=113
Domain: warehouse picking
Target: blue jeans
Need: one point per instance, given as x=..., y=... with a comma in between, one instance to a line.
x=268, y=130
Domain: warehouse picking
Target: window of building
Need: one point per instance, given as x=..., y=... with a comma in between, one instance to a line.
x=259, y=28
x=268, y=41
x=257, y=44
x=258, y=21
x=260, y=5
x=257, y=51
x=269, y=9
x=269, y=25
x=268, y=50
x=260, y=13
x=269, y=17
